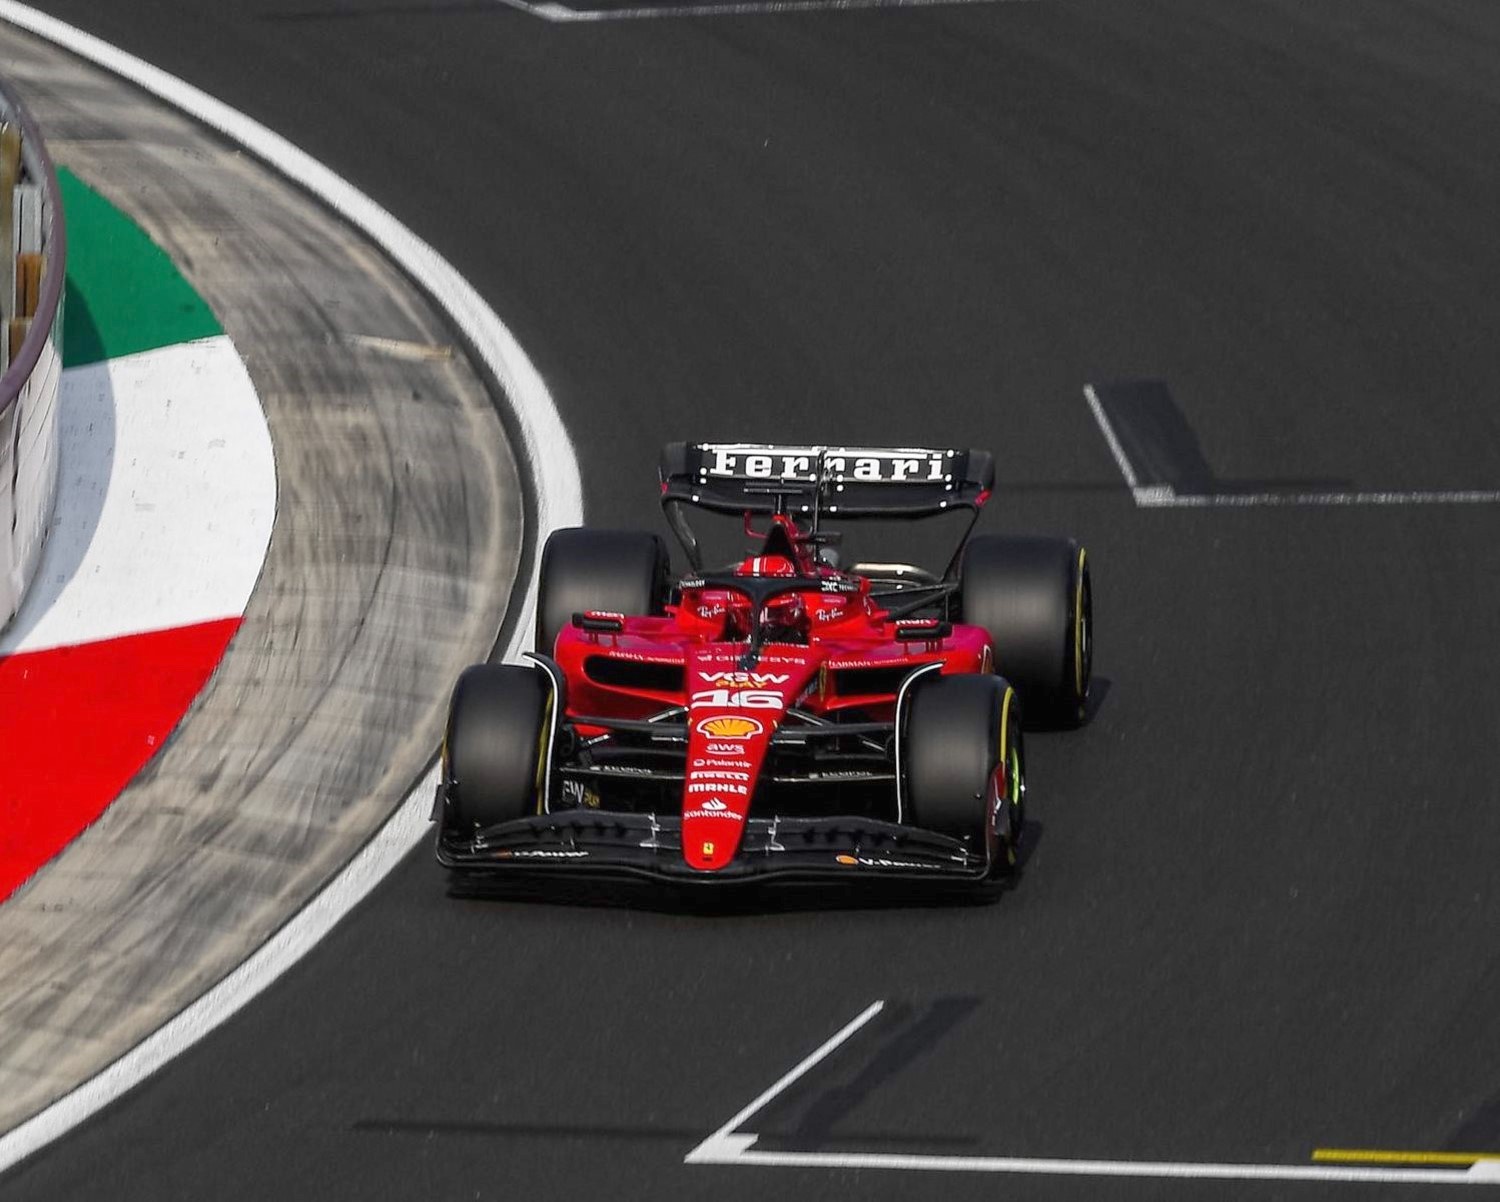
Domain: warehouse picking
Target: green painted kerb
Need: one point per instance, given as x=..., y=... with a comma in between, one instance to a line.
x=123, y=293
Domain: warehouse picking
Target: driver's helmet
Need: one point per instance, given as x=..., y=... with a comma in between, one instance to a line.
x=785, y=619
x=766, y=565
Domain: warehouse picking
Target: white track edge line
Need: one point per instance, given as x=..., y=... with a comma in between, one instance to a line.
x=724, y=1142
x=546, y=450
x=1164, y=497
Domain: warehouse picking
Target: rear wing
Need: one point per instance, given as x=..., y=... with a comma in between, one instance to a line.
x=847, y=482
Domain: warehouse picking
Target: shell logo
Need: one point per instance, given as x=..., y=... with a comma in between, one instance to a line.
x=730, y=726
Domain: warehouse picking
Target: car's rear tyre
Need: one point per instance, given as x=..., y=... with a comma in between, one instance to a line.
x=1035, y=598
x=959, y=733
x=623, y=571
x=495, y=750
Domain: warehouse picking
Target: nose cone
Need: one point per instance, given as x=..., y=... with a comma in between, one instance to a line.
x=711, y=832
x=732, y=714
x=724, y=757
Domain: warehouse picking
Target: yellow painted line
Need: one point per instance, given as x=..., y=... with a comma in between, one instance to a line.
x=1387, y=1156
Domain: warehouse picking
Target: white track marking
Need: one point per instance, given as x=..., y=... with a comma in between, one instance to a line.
x=1164, y=496
x=546, y=449
x=1122, y=460
x=725, y=1142
x=562, y=14
x=738, y=1152
x=726, y=1146
x=166, y=497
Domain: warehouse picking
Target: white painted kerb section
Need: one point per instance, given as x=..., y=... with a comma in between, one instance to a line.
x=167, y=499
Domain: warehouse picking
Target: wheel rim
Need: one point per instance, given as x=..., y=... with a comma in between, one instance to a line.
x=1015, y=793
x=1083, y=633
x=1013, y=762
x=1016, y=783
x=539, y=783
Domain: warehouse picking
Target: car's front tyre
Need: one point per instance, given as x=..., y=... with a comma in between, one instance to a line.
x=963, y=764
x=495, y=751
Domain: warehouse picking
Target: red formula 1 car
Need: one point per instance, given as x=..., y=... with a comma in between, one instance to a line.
x=776, y=716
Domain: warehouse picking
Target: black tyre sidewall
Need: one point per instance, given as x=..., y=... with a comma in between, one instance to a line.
x=951, y=745
x=497, y=723
x=1024, y=592
x=621, y=571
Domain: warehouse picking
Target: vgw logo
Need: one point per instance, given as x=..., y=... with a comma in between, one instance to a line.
x=743, y=680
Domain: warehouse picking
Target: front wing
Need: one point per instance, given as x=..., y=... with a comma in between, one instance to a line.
x=606, y=843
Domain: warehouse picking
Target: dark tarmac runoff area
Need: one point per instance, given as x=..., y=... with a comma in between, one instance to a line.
x=1260, y=910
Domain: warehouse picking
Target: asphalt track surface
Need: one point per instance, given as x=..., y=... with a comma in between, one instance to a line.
x=1260, y=912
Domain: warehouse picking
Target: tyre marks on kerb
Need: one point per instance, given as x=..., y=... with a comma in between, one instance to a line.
x=732, y=1146
x=1163, y=465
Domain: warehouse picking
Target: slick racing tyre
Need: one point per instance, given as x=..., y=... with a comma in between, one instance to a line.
x=495, y=750
x=964, y=764
x=1035, y=598
x=622, y=571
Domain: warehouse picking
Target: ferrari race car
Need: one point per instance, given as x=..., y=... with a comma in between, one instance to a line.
x=775, y=715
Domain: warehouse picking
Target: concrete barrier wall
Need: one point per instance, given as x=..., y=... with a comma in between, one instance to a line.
x=32, y=265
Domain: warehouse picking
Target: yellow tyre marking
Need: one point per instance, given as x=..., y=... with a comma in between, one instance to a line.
x=1078, y=627
x=541, y=748
x=1005, y=738
x=1010, y=775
